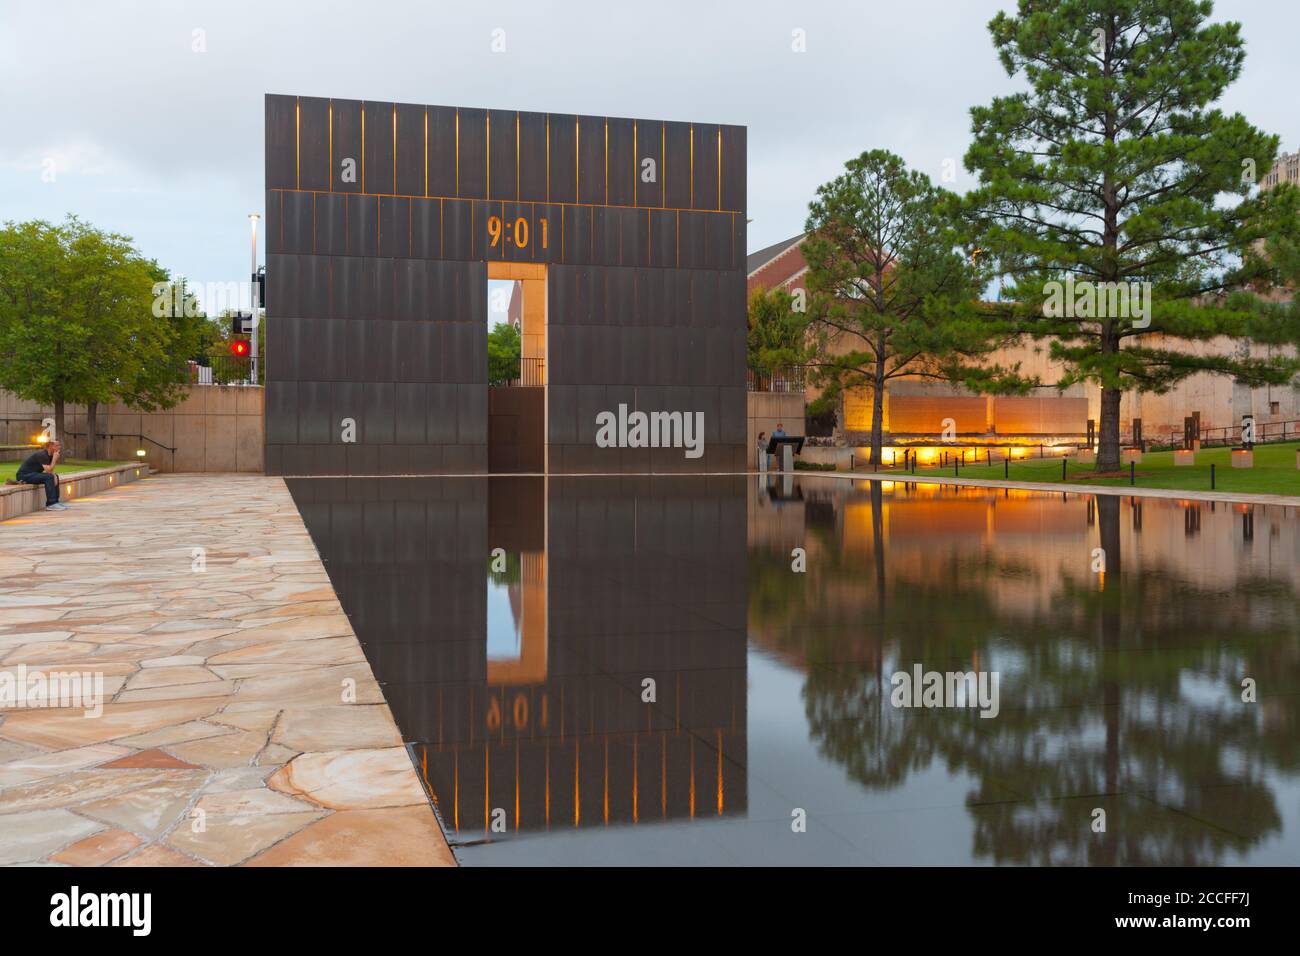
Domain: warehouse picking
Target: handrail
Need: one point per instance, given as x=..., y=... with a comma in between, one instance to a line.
x=124, y=435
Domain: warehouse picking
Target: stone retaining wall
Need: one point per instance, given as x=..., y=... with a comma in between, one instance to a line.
x=214, y=428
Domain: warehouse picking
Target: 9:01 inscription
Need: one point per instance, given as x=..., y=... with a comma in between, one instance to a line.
x=517, y=233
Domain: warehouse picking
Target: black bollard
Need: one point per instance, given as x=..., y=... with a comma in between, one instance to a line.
x=1132, y=475
x=1006, y=468
x=1211, y=477
x=1063, y=469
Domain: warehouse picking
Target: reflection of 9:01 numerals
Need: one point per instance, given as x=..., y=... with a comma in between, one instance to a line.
x=516, y=233
x=518, y=712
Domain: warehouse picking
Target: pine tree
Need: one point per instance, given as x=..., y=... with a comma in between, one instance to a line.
x=893, y=294
x=1122, y=203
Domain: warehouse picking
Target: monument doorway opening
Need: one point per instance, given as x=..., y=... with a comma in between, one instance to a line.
x=516, y=357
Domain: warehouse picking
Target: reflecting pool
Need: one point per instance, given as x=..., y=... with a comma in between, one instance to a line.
x=711, y=670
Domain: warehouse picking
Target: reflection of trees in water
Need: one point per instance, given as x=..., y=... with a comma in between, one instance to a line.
x=1122, y=697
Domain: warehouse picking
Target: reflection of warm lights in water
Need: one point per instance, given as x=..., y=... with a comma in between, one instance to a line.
x=611, y=775
x=663, y=777
x=978, y=453
x=692, y=778
x=720, y=794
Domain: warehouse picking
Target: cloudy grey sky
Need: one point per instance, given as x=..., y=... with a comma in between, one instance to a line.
x=152, y=139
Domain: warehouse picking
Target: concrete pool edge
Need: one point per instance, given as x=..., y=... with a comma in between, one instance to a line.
x=1288, y=501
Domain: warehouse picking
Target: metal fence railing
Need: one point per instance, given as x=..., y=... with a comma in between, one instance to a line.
x=224, y=370
x=790, y=379
x=1264, y=432
x=530, y=374
x=1223, y=435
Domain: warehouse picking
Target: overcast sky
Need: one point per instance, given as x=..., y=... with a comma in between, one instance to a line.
x=150, y=138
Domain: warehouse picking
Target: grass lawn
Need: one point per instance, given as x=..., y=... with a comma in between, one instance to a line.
x=1275, y=471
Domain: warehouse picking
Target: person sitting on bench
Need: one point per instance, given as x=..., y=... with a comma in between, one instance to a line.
x=38, y=469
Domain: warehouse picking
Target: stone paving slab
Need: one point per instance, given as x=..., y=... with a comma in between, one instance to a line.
x=239, y=724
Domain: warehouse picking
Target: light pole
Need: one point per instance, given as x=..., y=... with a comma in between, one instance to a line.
x=252, y=297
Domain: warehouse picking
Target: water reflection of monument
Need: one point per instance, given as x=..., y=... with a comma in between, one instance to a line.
x=520, y=680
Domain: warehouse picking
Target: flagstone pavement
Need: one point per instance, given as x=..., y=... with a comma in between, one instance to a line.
x=241, y=723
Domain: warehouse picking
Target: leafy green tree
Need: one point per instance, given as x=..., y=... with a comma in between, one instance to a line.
x=893, y=294
x=504, y=349
x=1112, y=170
x=778, y=331
x=164, y=347
x=77, y=323
x=41, y=358
x=778, y=340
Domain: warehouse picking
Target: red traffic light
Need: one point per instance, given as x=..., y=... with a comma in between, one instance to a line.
x=239, y=348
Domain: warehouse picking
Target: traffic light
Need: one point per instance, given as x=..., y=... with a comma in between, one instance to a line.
x=239, y=348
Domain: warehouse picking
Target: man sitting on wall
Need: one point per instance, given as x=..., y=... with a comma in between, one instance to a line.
x=38, y=469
